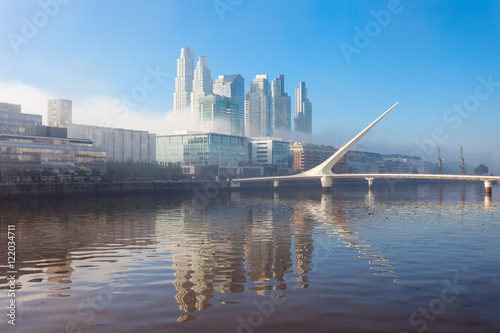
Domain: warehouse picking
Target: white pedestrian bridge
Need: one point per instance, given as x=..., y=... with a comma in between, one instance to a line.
x=325, y=174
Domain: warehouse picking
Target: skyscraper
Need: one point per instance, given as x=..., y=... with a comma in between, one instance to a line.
x=233, y=87
x=202, y=84
x=281, y=106
x=258, y=108
x=184, y=80
x=220, y=114
x=59, y=112
x=303, y=110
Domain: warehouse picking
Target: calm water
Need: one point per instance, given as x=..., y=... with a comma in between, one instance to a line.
x=420, y=258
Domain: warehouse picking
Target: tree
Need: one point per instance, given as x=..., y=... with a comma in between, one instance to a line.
x=481, y=169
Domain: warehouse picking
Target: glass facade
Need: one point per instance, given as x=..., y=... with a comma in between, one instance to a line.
x=44, y=153
x=233, y=87
x=11, y=108
x=16, y=123
x=271, y=152
x=202, y=149
x=220, y=114
x=282, y=155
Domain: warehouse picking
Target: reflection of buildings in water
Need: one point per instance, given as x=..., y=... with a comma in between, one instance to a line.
x=303, y=244
x=176, y=230
x=211, y=252
x=53, y=235
x=193, y=282
x=205, y=258
x=258, y=246
x=267, y=245
x=59, y=274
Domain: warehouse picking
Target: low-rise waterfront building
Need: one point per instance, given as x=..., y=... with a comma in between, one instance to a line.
x=120, y=145
x=396, y=163
x=245, y=171
x=271, y=152
x=307, y=155
x=23, y=152
x=202, y=148
x=13, y=122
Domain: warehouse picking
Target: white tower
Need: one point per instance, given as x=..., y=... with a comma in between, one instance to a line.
x=202, y=84
x=184, y=80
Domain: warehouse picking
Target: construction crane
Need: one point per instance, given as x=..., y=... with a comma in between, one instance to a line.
x=462, y=162
x=440, y=163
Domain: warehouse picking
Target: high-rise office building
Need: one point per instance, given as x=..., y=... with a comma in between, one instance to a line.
x=281, y=106
x=59, y=112
x=233, y=87
x=184, y=81
x=303, y=110
x=219, y=114
x=202, y=84
x=258, y=108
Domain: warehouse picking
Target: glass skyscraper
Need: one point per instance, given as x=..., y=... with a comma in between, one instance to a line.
x=233, y=87
x=281, y=105
x=258, y=118
x=303, y=110
x=219, y=114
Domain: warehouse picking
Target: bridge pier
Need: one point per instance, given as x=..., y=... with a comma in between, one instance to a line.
x=487, y=187
x=370, y=183
x=326, y=183
x=235, y=186
x=276, y=185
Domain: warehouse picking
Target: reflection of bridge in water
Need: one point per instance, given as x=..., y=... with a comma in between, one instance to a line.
x=325, y=174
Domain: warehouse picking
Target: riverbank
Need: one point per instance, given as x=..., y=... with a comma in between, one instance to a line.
x=34, y=190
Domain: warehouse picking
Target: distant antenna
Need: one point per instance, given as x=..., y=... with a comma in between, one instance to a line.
x=462, y=162
x=440, y=163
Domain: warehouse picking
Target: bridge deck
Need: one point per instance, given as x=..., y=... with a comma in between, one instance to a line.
x=373, y=176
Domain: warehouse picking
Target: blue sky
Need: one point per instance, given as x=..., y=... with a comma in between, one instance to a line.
x=428, y=55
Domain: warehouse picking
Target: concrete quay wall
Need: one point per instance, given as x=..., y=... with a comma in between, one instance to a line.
x=32, y=190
